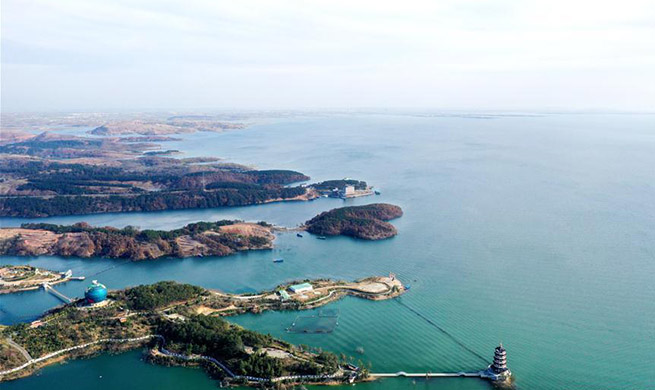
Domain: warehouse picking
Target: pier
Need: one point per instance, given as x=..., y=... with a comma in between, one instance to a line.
x=484, y=374
x=496, y=372
x=478, y=374
x=51, y=290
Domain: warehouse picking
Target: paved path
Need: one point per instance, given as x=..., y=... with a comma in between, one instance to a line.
x=172, y=354
x=53, y=354
x=22, y=350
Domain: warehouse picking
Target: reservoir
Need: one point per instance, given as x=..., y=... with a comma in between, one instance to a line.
x=534, y=230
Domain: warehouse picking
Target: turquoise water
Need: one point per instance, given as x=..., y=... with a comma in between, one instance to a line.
x=536, y=231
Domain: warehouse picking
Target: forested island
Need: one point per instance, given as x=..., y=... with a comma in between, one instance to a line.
x=173, y=321
x=220, y=238
x=367, y=222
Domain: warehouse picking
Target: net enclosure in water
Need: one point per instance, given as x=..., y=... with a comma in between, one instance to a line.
x=323, y=322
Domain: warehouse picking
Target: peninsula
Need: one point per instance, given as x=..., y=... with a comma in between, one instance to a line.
x=367, y=222
x=15, y=278
x=181, y=325
x=52, y=174
x=33, y=187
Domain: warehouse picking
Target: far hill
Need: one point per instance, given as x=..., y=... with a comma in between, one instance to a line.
x=365, y=222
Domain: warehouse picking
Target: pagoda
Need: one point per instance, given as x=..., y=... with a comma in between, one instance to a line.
x=498, y=371
x=500, y=360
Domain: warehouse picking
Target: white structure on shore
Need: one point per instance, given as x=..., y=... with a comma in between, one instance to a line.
x=301, y=288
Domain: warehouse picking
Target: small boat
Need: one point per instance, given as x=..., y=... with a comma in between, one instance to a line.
x=377, y=192
x=322, y=238
x=280, y=260
x=298, y=235
x=407, y=287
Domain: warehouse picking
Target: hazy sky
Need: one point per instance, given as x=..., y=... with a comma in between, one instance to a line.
x=195, y=55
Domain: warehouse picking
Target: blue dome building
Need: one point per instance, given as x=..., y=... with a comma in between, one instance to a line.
x=96, y=292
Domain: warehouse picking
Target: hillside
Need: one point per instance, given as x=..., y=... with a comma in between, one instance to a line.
x=41, y=188
x=220, y=238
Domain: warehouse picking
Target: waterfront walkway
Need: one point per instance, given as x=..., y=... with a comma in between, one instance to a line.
x=339, y=375
x=81, y=346
x=477, y=374
x=164, y=351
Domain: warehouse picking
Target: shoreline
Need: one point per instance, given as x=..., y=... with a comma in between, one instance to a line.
x=202, y=304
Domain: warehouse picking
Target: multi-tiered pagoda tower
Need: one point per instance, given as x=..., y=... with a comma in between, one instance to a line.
x=500, y=360
x=498, y=370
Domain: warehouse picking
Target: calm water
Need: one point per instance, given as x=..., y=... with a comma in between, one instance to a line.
x=534, y=231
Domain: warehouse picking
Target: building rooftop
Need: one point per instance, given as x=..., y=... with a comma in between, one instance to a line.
x=301, y=286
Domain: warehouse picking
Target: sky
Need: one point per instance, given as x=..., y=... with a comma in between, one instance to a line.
x=529, y=55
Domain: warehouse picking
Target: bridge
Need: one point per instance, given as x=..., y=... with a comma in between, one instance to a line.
x=478, y=374
x=51, y=290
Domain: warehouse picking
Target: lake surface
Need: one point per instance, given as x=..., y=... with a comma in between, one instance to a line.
x=537, y=231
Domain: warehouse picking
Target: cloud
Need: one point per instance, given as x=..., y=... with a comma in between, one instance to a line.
x=448, y=54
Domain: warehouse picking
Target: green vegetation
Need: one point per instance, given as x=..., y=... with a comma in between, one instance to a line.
x=366, y=222
x=242, y=350
x=259, y=364
x=149, y=297
x=156, y=201
x=329, y=185
x=70, y=326
x=145, y=184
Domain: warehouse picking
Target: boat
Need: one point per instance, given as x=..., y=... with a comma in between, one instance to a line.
x=298, y=235
x=377, y=192
x=322, y=238
x=280, y=260
x=407, y=287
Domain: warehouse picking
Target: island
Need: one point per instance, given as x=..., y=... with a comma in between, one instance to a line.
x=367, y=222
x=219, y=238
x=182, y=325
